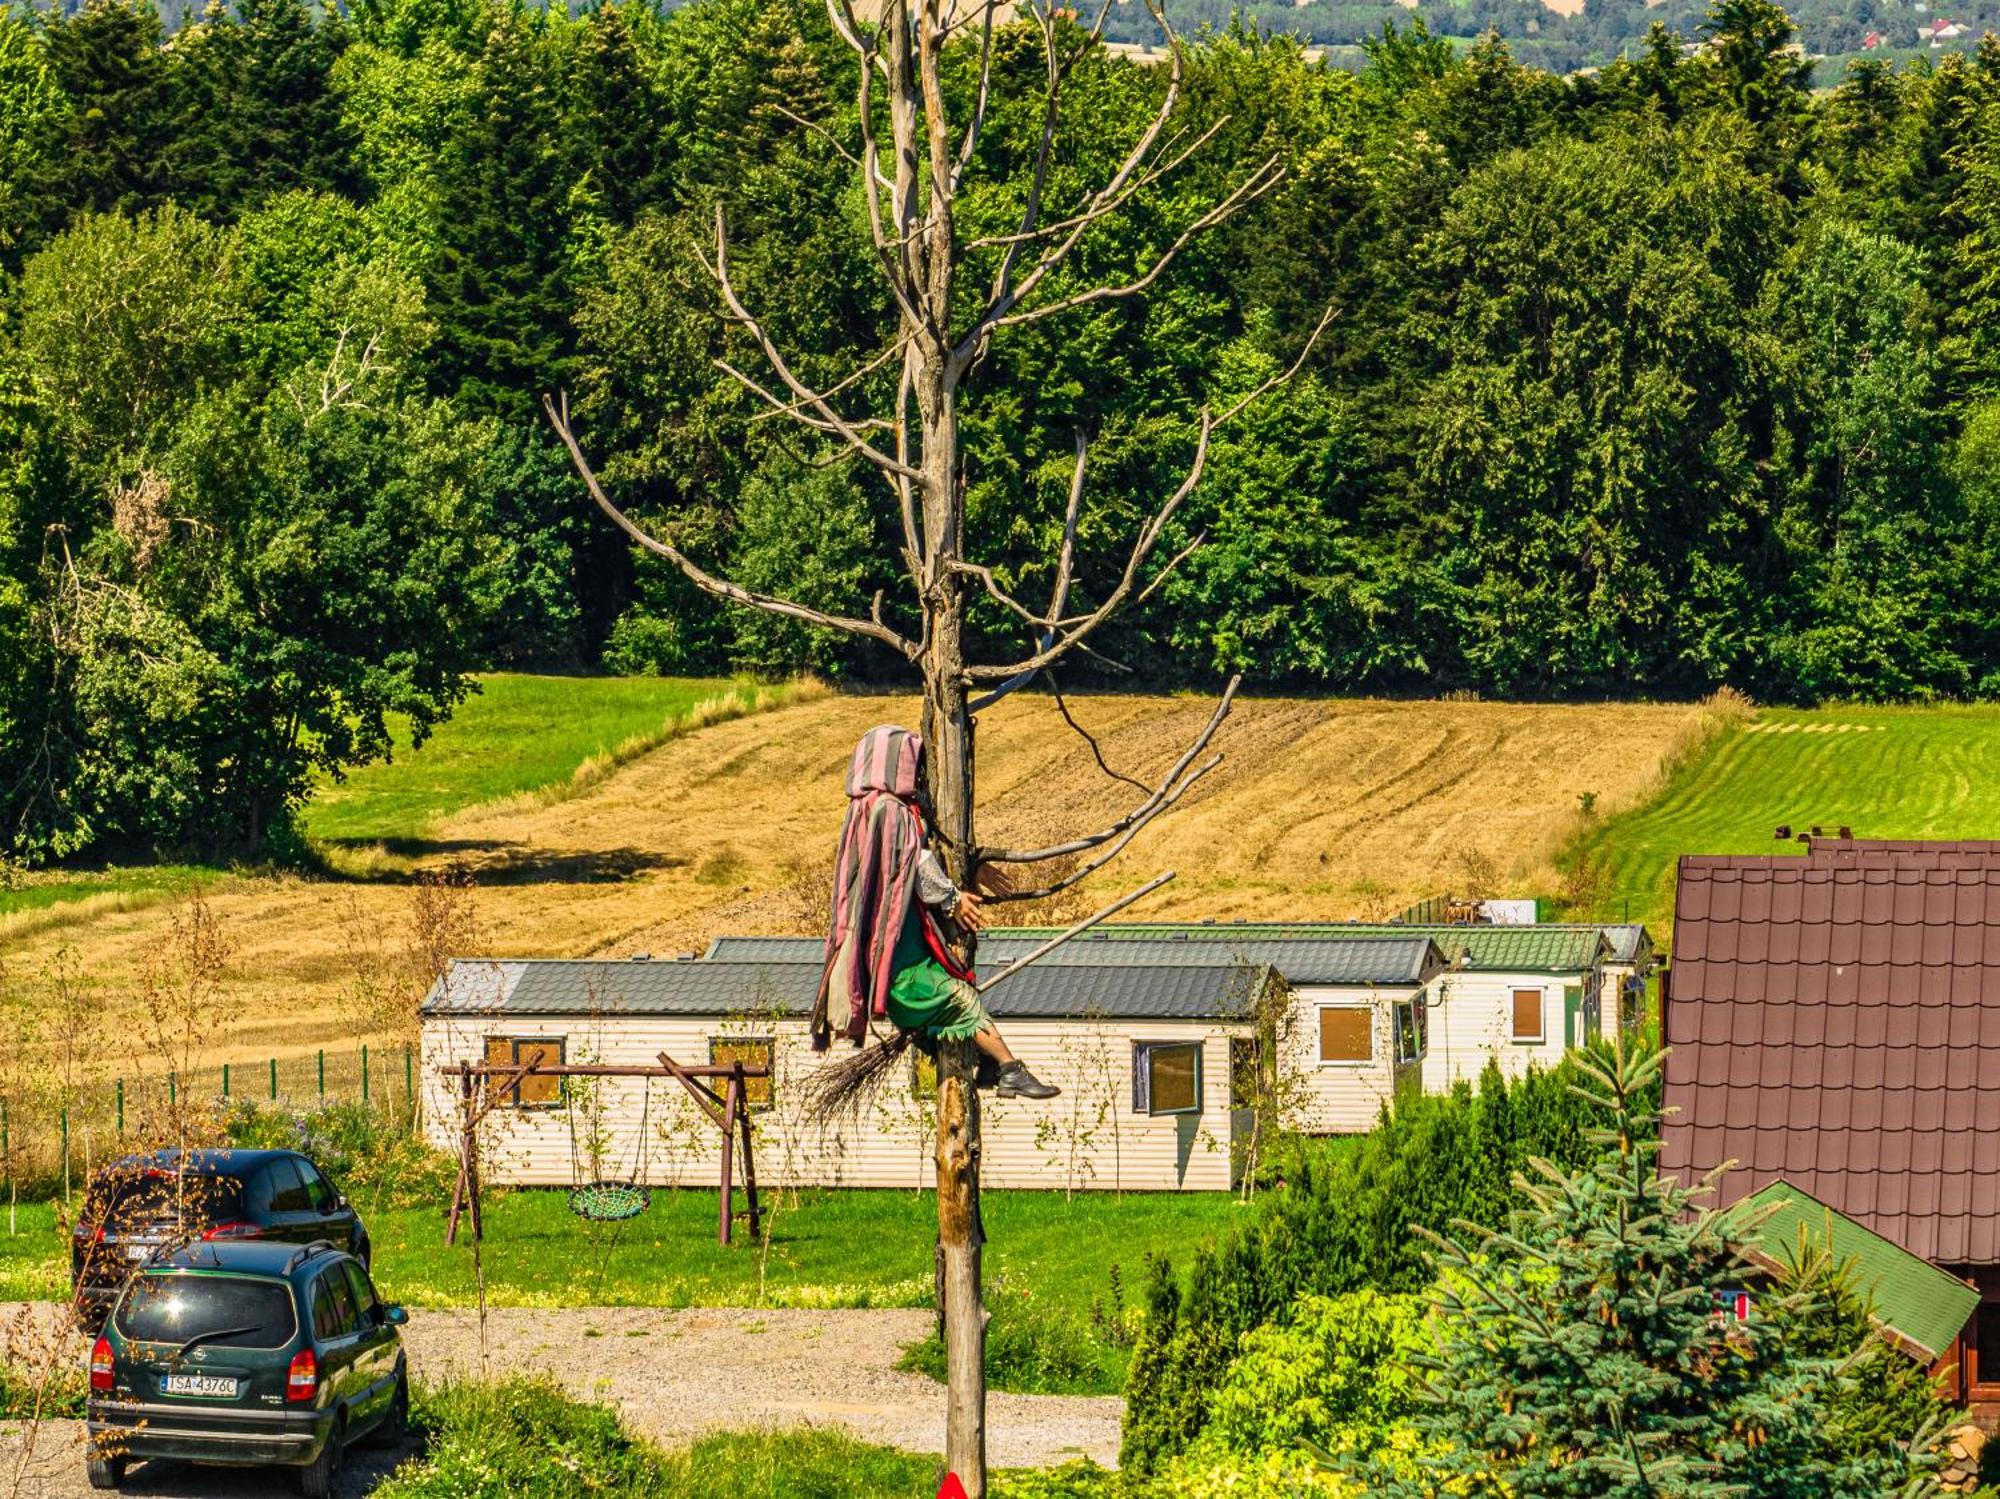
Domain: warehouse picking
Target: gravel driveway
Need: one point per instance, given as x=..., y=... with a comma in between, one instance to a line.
x=673, y=1375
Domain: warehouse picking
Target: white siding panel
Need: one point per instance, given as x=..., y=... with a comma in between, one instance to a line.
x=1345, y=1098
x=1089, y=1137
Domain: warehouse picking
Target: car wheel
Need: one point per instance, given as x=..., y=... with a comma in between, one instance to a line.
x=316, y=1478
x=105, y=1472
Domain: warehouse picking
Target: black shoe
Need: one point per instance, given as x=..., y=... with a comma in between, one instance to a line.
x=1016, y=1081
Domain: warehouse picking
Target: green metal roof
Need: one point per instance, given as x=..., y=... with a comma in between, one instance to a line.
x=1495, y=949
x=1917, y=1304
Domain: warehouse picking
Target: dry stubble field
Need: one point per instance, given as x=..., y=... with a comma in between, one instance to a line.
x=1321, y=808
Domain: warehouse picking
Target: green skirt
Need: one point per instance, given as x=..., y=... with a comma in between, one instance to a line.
x=924, y=997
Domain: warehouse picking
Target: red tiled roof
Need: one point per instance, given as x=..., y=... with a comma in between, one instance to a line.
x=1835, y=1021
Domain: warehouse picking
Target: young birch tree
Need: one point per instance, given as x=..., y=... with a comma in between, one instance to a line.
x=915, y=143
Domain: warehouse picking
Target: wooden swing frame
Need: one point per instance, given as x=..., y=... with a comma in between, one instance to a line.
x=728, y=1111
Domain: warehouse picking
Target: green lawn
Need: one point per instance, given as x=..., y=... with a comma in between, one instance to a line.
x=517, y=733
x=43, y=889
x=835, y=1248
x=1884, y=772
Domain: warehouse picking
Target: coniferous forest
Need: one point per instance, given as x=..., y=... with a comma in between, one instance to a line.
x=1670, y=375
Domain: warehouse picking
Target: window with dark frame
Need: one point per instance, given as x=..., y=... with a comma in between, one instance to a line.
x=1346, y=1033
x=1409, y=1043
x=535, y=1090
x=1528, y=1015
x=751, y=1051
x=1166, y=1077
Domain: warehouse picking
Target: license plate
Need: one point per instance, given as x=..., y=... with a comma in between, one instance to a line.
x=137, y=1251
x=198, y=1384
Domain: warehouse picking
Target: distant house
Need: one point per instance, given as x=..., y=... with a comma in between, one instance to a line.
x=1156, y=1033
x=1942, y=30
x=1834, y=1022
x=1516, y=994
x=1150, y=1053
x=1871, y=41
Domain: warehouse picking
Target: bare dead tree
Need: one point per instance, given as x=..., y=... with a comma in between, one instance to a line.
x=912, y=159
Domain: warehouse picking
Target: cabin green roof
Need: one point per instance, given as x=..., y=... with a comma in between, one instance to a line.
x=1487, y=948
x=1919, y=1306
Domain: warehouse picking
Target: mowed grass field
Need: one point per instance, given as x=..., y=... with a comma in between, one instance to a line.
x=518, y=733
x=1321, y=808
x=1929, y=772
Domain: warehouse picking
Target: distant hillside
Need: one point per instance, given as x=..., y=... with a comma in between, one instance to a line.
x=1321, y=808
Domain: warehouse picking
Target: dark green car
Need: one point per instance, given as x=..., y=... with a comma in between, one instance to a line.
x=246, y=1353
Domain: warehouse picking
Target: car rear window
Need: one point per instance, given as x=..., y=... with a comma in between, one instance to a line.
x=171, y=1308
x=156, y=1198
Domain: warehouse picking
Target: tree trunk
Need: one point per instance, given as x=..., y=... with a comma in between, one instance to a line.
x=948, y=757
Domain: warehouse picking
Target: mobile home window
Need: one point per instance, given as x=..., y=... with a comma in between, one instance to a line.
x=536, y=1090
x=1528, y=1015
x=1166, y=1077
x=1409, y=1032
x=751, y=1051
x=1346, y=1034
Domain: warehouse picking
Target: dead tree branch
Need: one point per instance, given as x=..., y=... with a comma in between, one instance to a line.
x=1114, y=838
x=872, y=628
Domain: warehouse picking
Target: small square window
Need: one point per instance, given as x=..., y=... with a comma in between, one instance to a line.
x=751, y=1051
x=1166, y=1077
x=1528, y=1015
x=1346, y=1034
x=535, y=1090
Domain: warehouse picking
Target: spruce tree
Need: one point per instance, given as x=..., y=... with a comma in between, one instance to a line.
x=1583, y=1350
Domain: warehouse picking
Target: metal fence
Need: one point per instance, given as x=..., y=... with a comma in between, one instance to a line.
x=105, y=1116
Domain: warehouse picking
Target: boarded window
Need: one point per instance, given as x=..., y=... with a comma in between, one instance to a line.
x=1346, y=1034
x=751, y=1051
x=536, y=1090
x=1527, y=1014
x=1166, y=1077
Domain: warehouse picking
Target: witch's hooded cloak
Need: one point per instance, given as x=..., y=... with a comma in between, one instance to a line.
x=874, y=886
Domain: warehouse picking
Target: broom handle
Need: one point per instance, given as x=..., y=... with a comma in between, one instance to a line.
x=1082, y=926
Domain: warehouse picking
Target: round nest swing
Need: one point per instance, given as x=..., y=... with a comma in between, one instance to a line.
x=606, y=1201
x=609, y=1201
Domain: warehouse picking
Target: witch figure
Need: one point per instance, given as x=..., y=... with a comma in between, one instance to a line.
x=886, y=954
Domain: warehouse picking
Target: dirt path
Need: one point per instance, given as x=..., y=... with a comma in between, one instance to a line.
x=673, y=1375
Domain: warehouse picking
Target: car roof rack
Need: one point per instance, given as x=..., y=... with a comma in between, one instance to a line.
x=300, y=1256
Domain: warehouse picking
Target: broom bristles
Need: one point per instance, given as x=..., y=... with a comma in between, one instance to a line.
x=837, y=1094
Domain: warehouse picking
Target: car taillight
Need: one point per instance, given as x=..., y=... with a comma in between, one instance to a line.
x=236, y=1228
x=90, y=1234
x=302, y=1380
x=100, y=1365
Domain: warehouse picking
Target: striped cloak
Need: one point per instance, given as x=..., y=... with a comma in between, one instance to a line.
x=874, y=883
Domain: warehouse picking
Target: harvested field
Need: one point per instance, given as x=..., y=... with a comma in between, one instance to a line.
x=1321, y=809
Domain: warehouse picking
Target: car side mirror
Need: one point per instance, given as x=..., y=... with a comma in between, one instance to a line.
x=395, y=1316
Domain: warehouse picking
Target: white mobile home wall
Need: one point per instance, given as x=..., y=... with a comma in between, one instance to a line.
x=1472, y=1019
x=1088, y=1138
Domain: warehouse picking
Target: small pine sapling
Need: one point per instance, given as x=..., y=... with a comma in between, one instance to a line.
x=1584, y=1349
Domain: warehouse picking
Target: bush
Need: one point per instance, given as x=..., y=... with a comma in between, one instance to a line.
x=528, y=1436
x=1343, y=1225
x=1032, y=1348
x=379, y=1162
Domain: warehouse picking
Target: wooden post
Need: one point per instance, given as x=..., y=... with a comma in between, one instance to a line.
x=735, y=1095
x=749, y=1165
x=961, y=1236
x=464, y=1152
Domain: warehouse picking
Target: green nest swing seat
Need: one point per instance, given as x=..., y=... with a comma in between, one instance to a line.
x=611, y=1199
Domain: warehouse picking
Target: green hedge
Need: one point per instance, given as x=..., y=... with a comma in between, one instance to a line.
x=1342, y=1224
